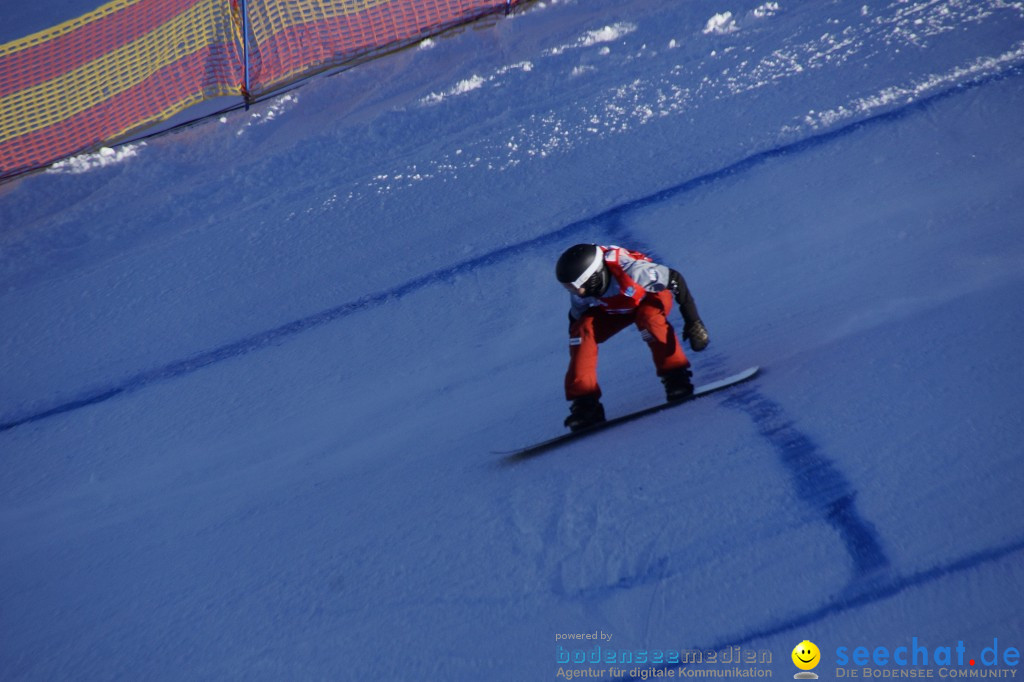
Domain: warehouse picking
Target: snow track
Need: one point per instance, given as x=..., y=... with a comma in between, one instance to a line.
x=251, y=381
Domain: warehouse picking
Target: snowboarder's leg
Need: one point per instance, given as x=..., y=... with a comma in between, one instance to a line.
x=584, y=336
x=581, y=385
x=670, y=361
x=657, y=331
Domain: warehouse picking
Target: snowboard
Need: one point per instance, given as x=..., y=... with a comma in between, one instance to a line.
x=699, y=392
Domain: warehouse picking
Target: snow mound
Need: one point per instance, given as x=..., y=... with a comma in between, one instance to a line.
x=106, y=156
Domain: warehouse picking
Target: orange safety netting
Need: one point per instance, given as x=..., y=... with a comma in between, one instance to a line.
x=292, y=38
x=126, y=65
x=132, y=63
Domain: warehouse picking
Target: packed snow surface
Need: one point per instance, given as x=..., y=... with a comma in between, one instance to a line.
x=255, y=371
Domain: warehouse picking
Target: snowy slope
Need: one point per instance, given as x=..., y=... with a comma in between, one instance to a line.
x=253, y=372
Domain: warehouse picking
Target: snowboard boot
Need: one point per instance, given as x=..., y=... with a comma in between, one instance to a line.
x=585, y=411
x=677, y=384
x=697, y=335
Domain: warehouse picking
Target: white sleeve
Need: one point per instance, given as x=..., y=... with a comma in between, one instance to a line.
x=648, y=274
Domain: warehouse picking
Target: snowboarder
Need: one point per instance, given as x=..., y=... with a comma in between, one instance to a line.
x=610, y=288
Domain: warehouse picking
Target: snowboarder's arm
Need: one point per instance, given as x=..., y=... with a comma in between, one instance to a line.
x=677, y=284
x=684, y=299
x=577, y=306
x=652, y=276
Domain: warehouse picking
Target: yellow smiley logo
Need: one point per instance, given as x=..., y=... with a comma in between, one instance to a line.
x=806, y=655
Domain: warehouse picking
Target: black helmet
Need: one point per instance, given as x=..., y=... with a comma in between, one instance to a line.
x=583, y=266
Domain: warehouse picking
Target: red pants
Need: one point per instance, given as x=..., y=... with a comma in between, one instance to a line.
x=594, y=328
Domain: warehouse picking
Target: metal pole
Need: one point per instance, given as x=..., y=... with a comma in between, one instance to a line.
x=245, y=48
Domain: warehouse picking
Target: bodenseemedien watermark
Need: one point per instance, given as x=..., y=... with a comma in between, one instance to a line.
x=599, y=659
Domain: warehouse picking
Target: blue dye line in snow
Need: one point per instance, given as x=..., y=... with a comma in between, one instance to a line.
x=819, y=484
x=606, y=219
x=278, y=334
x=848, y=602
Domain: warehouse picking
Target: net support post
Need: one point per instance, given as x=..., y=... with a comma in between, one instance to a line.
x=244, y=6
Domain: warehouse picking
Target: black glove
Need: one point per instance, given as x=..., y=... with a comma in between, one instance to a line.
x=697, y=335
